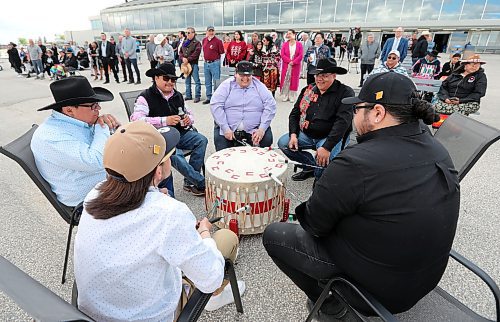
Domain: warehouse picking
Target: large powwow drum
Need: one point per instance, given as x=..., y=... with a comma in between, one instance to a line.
x=240, y=176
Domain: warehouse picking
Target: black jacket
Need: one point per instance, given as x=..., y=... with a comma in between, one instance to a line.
x=14, y=58
x=159, y=107
x=468, y=89
x=420, y=49
x=71, y=62
x=387, y=209
x=110, y=50
x=192, y=51
x=447, y=69
x=327, y=117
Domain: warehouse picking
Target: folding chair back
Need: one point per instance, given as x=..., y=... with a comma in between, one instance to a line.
x=128, y=99
x=466, y=140
x=19, y=150
x=34, y=298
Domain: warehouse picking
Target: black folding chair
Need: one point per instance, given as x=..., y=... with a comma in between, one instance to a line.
x=19, y=150
x=466, y=141
x=35, y=299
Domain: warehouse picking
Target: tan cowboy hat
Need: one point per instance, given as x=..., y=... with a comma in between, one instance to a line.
x=186, y=69
x=474, y=58
x=159, y=38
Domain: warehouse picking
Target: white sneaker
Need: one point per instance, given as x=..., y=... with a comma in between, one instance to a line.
x=285, y=98
x=225, y=297
x=20, y=75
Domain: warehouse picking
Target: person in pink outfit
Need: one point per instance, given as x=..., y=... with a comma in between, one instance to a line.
x=292, y=53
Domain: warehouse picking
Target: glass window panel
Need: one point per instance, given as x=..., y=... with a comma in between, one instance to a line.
x=313, y=11
x=157, y=18
x=492, y=10
x=189, y=17
x=473, y=9
x=343, y=11
x=393, y=9
x=105, y=24
x=430, y=10
x=250, y=14
x=261, y=13
x=328, y=10
x=209, y=15
x=494, y=38
x=451, y=10
x=177, y=19
x=286, y=15
x=483, y=38
x=228, y=13
x=217, y=14
x=150, y=18
x=376, y=9
x=299, y=11
x=144, y=19
x=411, y=10
x=273, y=14
x=165, y=17
x=358, y=12
x=239, y=15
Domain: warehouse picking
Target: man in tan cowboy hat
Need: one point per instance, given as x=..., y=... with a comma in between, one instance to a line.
x=162, y=105
x=68, y=145
x=462, y=91
x=164, y=53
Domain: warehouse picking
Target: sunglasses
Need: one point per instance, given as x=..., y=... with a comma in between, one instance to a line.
x=93, y=107
x=355, y=108
x=393, y=57
x=168, y=78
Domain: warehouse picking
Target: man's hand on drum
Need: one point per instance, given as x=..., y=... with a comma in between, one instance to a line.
x=229, y=135
x=257, y=136
x=204, y=227
x=322, y=157
x=293, y=144
x=173, y=120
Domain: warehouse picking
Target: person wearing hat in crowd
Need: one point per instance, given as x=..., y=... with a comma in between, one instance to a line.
x=190, y=54
x=162, y=105
x=212, y=51
x=70, y=62
x=107, y=55
x=462, y=91
x=391, y=64
x=427, y=67
x=68, y=145
x=319, y=120
x=450, y=66
x=164, y=53
x=14, y=59
x=137, y=241
x=420, y=48
x=385, y=219
x=243, y=109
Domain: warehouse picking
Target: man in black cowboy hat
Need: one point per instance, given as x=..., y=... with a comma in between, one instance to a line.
x=68, y=146
x=162, y=105
x=429, y=66
x=319, y=120
x=384, y=212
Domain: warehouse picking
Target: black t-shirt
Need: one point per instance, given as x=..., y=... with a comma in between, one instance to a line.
x=387, y=209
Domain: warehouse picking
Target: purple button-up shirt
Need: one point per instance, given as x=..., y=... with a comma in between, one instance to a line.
x=253, y=106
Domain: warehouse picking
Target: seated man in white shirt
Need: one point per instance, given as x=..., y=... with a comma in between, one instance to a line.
x=134, y=242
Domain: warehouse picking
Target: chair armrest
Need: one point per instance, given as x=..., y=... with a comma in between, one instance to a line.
x=194, y=307
x=482, y=275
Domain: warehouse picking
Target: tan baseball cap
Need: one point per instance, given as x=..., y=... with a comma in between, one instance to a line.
x=137, y=148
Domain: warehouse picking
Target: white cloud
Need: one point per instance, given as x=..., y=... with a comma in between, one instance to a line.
x=36, y=18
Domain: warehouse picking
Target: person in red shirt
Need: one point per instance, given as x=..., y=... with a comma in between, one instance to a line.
x=237, y=49
x=212, y=50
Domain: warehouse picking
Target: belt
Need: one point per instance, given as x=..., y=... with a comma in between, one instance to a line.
x=210, y=61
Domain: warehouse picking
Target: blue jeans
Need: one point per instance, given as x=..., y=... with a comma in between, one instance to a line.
x=197, y=88
x=130, y=62
x=169, y=184
x=212, y=73
x=191, y=140
x=222, y=143
x=305, y=157
x=37, y=65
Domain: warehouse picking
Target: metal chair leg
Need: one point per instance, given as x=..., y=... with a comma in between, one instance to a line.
x=319, y=302
x=68, y=244
x=231, y=275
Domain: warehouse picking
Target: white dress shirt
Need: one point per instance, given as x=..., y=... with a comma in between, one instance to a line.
x=129, y=267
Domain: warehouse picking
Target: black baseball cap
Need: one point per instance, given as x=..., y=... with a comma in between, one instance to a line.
x=385, y=88
x=244, y=68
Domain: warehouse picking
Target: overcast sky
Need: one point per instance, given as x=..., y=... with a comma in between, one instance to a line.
x=38, y=18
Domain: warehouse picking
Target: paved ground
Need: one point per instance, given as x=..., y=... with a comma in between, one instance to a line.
x=33, y=236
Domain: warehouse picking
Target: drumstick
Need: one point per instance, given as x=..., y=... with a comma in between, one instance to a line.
x=301, y=164
x=278, y=181
x=215, y=205
x=215, y=219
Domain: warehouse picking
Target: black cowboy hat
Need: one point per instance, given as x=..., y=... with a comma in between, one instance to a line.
x=328, y=65
x=166, y=69
x=433, y=53
x=75, y=91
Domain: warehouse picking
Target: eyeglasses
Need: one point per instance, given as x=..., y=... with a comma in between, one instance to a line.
x=326, y=75
x=355, y=108
x=393, y=57
x=168, y=78
x=189, y=32
x=93, y=107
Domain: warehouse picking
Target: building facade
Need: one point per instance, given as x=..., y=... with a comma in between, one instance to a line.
x=477, y=21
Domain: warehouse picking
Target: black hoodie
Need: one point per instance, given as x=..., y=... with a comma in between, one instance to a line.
x=420, y=49
x=468, y=89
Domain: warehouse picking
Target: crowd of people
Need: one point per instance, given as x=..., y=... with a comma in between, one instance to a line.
x=125, y=184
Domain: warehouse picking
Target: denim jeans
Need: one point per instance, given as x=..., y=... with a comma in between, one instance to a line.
x=130, y=62
x=222, y=143
x=37, y=65
x=191, y=140
x=212, y=73
x=305, y=157
x=197, y=88
x=169, y=184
